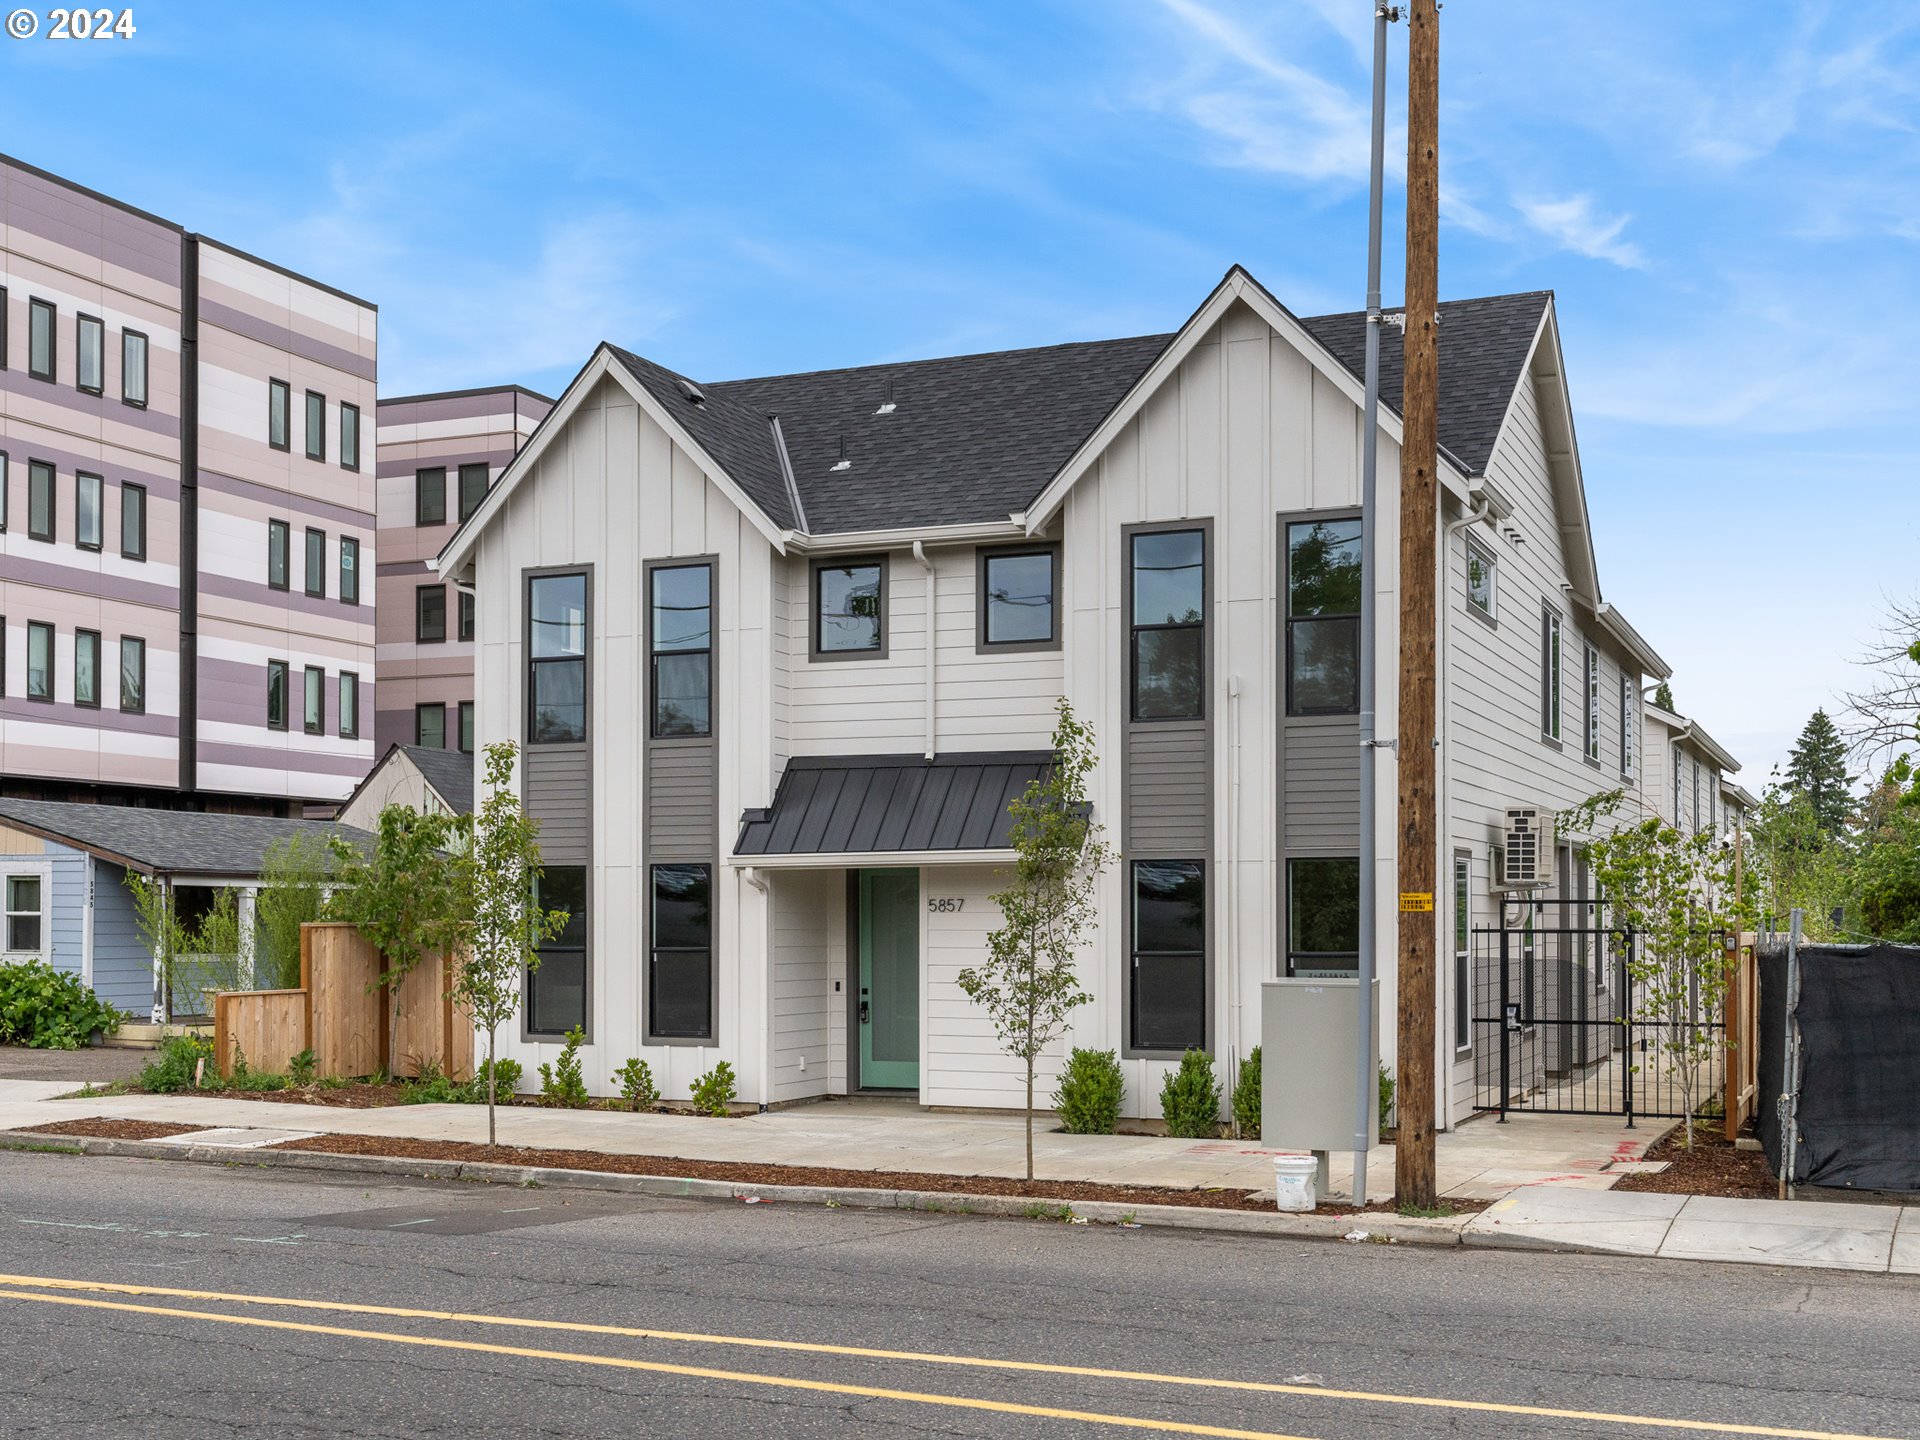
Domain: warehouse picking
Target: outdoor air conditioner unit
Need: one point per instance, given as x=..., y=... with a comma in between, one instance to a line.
x=1527, y=852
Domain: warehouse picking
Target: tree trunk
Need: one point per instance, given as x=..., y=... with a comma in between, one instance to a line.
x=490, y=1087
x=1030, y=1117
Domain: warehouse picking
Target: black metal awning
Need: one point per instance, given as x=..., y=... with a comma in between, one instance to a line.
x=891, y=804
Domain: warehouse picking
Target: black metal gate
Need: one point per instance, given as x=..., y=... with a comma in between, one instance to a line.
x=1559, y=1025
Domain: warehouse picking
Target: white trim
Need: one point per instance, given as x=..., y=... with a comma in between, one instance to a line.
x=42, y=870
x=86, y=923
x=902, y=538
x=871, y=859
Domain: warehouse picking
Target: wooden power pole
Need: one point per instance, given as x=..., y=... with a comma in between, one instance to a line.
x=1413, y=1166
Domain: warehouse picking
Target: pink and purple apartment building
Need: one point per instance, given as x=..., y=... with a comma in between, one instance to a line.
x=439, y=455
x=187, y=460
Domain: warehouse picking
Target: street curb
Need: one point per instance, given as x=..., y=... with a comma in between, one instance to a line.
x=1378, y=1229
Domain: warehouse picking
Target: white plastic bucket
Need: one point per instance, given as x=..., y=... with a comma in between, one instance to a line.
x=1294, y=1177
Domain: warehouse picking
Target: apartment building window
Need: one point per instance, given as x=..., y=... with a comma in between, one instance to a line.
x=133, y=521
x=349, y=436
x=1629, y=709
x=681, y=642
x=89, y=498
x=850, y=609
x=276, y=694
x=23, y=915
x=1462, y=954
x=89, y=354
x=39, y=500
x=1018, y=598
x=1550, y=667
x=1169, y=955
x=316, y=431
x=1677, y=820
x=473, y=489
x=465, y=622
x=1695, y=813
x=429, y=614
x=313, y=701
x=133, y=675
x=316, y=563
x=6, y=489
x=430, y=496
x=39, y=660
x=279, y=541
x=349, y=570
x=1592, y=668
x=133, y=368
x=3, y=327
x=279, y=413
x=1323, y=617
x=41, y=345
x=430, y=726
x=557, y=987
x=349, y=705
x=466, y=727
x=680, y=959
x=1323, y=916
x=556, y=659
x=1482, y=581
x=86, y=669
x=1167, y=619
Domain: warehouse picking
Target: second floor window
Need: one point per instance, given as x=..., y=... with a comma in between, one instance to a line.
x=349, y=705
x=557, y=659
x=1167, y=602
x=1550, y=667
x=89, y=354
x=279, y=418
x=89, y=496
x=133, y=368
x=279, y=541
x=39, y=500
x=430, y=496
x=86, y=668
x=349, y=437
x=276, y=694
x=1629, y=705
x=1592, y=657
x=133, y=521
x=1323, y=617
x=473, y=489
x=133, y=674
x=1017, y=598
x=430, y=614
x=681, y=632
x=1482, y=579
x=313, y=702
x=316, y=563
x=850, y=609
x=39, y=660
x=40, y=339
x=349, y=570
x=316, y=426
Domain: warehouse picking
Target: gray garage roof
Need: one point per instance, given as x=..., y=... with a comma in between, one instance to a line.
x=873, y=804
x=168, y=842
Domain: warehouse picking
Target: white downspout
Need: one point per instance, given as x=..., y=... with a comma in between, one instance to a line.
x=86, y=931
x=933, y=642
x=1235, y=979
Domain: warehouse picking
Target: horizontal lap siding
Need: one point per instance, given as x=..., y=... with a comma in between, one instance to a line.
x=681, y=799
x=1320, y=801
x=122, y=963
x=1167, y=800
x=558, y=795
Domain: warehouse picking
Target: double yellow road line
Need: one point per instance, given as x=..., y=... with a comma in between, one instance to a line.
x=84, y=1294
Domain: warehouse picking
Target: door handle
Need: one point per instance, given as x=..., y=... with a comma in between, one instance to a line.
x=863, y=1012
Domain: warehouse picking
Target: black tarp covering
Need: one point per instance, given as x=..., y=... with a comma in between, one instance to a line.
x=1859, y=1106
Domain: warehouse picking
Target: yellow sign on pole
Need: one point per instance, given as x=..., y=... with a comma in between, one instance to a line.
x=1416, y=902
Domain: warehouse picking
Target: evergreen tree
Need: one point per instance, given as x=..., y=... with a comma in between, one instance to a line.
x=1817, y=769
x=1663, y=697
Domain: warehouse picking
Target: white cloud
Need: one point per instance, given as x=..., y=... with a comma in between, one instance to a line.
x=1572, y=224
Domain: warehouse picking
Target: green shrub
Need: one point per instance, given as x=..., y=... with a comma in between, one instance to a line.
x=561, y=1083
x=172, y=1069
x=714, y=1091
x=1190, y=1098
x=49, y=1009
x=505, y=1075
x=1088, y=1096
x=432, y=1087
x=1246, y=1098
x=1386, y=1098
x=636, y=1084
x=300, y=1068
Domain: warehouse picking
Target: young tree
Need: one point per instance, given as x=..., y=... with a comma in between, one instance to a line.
x=505, y=921
x=1817, y=769
x=406, y=897
x=1027, y=982
x=1663, y=697
x=293, y=880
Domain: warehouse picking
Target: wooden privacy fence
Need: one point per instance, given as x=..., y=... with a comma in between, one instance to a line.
x=1742, y=1035
x=340, y=1013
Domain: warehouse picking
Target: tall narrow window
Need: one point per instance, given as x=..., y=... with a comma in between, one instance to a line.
x=1697, y=815
x=556, y=659
x=429, y=614
x=1323, y=617
x=89, y=497
x=1629, y=711
x=1169, y=955
x=316, y=563
x=430, y=496
x=466, y=726
x=850, y=609
x=3, y=327
x=133, y=368
x=1323, y=916
x=349, y=705
x=473, y=489
x=349, y=436
x=39, y=500
x=40, y=339
x=23, y=915
x=279, y=416
x=1550, y=667
x=557, y=988
x=89, y=354
x=349, y=570
x=1167, y=605
x=1678, y=819
x=1018, y=608
x=1592, y=668
x=465, y=623
x=316, y=426
x=1462, y=953
x=6, y=488
x=279, y=541
x=682, y=643
x=133, y=521
x=1482, y=580
x=680, y=972
x=86, y=668
x=133, y=674
x=39, y=660
x=276, y=694
x=313, y=701
x=430, y=726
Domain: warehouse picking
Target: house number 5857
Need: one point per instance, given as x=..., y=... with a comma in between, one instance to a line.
x=946, y=904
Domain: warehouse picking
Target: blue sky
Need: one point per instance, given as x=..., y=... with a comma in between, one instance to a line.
x=1726, y=197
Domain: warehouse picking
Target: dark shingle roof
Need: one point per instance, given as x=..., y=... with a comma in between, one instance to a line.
x=174, y=842
x=448, y=771
x=875, y=804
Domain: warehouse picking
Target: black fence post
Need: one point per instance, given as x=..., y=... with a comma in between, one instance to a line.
x=1506, y=1024
x=1626, y=1020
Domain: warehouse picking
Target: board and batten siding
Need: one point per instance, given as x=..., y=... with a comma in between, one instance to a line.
x=809, y=955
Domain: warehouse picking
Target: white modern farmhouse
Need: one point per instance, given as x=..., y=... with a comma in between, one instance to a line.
x=780, y=650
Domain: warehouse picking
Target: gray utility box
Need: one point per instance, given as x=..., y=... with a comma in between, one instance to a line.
x=1309, y=1041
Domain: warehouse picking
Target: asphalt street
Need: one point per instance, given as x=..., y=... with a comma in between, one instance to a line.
x=165, y=1299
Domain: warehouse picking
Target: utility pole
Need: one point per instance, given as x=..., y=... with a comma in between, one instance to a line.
x=1413, y=1165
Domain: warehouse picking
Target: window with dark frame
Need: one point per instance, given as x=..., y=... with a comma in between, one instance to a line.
x=430, y=496
x=556, y=996
x=680, y=635
x=1323, y=916
x=316, y=558
x=349, y=436
x=430, y=726
x=680, y=959
x=133, y=675
x=89, y=500
x=89, y=354
x=557, y=659
x=1323, y=617
x=1169, y=955
x=39, y=660
x=277, y=681
x=279, y=562
x=86, y=669
x=39, y=500
x=349, y=704
x=42, y=344
x=465, y=630
x=1551, y=666
x=849, y=608
x=279, y=414
x=316, y=427
x=133, y=521
x=349, y=570
x=473, y=489
x=429, y=614
x=1591, y=668
x=133, y=368
x=466, y=727
x=6, y=490
x=313, y=701
x=3, y=327
x=1629, y=709
x=1462, y=953
x=1019, y=602
x=1167, y=616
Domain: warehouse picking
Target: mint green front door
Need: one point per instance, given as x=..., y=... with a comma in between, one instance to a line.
x=889, y=999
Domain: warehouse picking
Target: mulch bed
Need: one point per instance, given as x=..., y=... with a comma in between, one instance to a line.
x=1715, y=1166
x=103, y=1129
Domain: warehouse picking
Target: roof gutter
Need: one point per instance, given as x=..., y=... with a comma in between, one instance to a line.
x=1616, y=625
x=903, y=537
